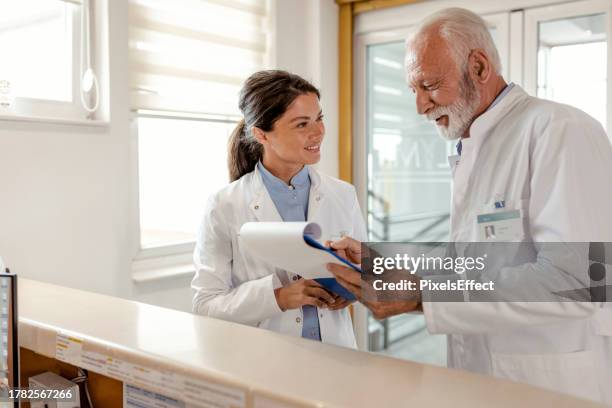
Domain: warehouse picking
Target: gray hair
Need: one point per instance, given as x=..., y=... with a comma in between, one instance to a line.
x=463, y=31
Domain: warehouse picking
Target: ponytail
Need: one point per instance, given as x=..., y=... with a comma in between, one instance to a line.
x=243, y=153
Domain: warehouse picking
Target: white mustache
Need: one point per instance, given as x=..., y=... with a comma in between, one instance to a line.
x=459, y=115
x=438, y=112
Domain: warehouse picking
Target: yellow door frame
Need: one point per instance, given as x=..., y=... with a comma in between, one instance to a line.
x=348, y=10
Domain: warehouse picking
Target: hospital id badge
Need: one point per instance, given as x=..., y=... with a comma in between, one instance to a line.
x=500, y=226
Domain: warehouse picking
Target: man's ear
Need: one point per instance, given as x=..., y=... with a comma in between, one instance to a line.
x=259, y=135
x=480, y=66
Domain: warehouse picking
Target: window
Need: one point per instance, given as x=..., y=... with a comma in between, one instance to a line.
x=40, y=48
x=572, y=63
x=181, y=162
x=566, y=55
x=188, y=61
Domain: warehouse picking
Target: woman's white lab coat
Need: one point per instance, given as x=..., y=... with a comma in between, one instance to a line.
x=231, y=284
x=554, y=163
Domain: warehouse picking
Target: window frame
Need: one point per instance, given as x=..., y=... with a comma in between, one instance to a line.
x=46, y=110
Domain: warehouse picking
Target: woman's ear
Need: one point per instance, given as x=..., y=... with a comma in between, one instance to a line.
x=259, y=135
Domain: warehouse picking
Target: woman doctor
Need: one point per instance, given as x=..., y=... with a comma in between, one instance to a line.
x=270, y=153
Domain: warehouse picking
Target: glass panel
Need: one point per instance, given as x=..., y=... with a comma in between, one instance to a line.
x=36, y=48
x=408, y=172
x=572, y=63
x=179, y=167
x=408, y=189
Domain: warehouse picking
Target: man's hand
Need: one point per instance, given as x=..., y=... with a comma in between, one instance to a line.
x=348, y=248
x=351, y=280
x=304, y=292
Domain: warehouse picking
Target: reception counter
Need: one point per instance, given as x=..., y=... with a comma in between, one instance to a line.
x=202, y=362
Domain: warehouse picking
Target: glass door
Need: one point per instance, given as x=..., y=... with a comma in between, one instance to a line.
x=406, y=183
x=558, y=51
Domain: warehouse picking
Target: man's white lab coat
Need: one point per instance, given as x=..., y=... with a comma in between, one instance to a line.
x=553, y=162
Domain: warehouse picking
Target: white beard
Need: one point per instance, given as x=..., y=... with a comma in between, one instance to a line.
x=460, y=114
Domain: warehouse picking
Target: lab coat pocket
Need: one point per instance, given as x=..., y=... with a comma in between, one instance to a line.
x=570, y=373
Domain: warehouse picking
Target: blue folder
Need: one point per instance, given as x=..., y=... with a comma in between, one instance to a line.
x=332, y=284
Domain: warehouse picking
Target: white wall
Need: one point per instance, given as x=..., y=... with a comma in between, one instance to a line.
x=64, y=192
x=307, y=44
x=65, y=207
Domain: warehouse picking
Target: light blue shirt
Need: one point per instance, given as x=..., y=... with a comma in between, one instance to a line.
x=499, y=97
x=291, y=202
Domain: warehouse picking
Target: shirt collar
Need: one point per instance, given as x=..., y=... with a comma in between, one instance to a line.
x=300, y=181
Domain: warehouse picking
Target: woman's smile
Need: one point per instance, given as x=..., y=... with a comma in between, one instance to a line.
x=314, y=148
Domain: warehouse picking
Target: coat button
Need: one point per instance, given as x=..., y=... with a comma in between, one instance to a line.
x=298, y=320
x=321, y=315
x=257, y=207
x=318, y=198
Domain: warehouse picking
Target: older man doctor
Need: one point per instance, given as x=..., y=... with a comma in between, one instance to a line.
x=551, y=161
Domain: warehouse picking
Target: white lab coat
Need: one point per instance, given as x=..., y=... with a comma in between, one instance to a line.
x=555, y=163
x=231, y=284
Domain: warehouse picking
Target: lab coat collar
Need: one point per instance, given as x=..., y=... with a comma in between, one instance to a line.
x=263, y=207
x=316, y=196
x=485, y=122
x=479, y=131
x=315, y=179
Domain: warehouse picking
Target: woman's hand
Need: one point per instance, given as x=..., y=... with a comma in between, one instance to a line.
x=340, y=303
x=303, y=292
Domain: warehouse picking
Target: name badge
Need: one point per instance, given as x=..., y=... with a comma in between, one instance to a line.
x=500, y=226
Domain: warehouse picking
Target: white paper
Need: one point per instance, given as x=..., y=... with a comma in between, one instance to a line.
x=207, y=394
x=68, y=348
x=94, y=361
x=282, y=245
x=135, y=397
x=119, y=369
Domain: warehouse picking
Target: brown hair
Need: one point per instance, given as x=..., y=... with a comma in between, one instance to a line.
x=264, y=98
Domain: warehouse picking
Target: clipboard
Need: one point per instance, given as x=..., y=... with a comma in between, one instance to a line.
x=294, y=246
x=332, y=284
